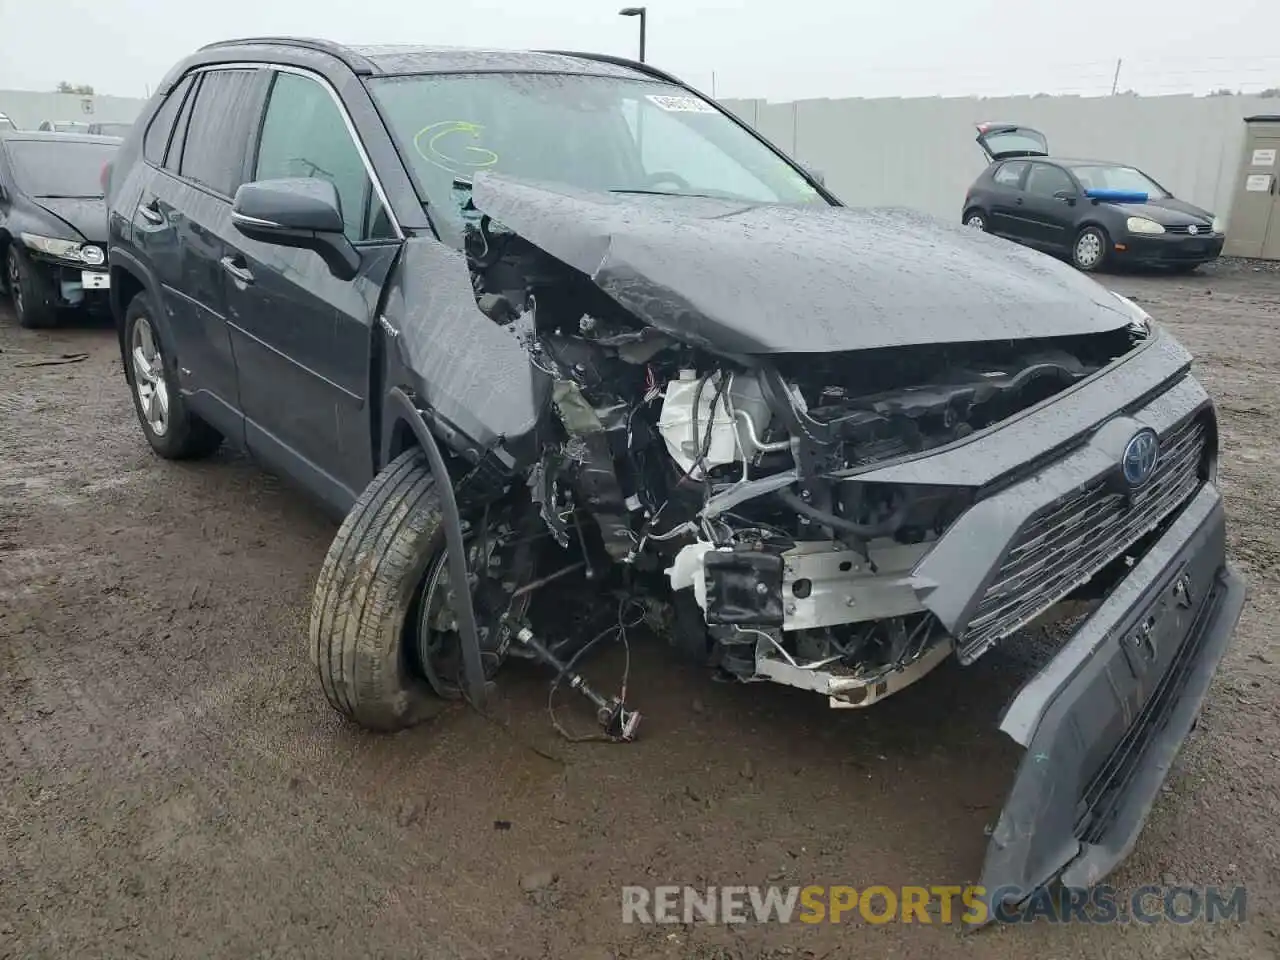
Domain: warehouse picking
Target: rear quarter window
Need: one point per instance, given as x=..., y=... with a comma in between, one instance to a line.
x=1008, y=174
x=157, y=137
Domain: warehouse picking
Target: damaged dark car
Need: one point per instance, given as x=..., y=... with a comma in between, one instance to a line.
x=524, y=317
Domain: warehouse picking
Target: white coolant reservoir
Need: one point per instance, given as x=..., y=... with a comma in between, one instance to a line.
x=732, y=438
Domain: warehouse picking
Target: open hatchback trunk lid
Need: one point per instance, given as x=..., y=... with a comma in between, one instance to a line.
x=1001, y=141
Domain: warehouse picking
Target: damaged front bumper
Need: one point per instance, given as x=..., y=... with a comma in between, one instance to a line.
x=1103, y=721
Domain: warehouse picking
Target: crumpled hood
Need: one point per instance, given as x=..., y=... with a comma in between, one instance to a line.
x=87, y=216
x=752, y=279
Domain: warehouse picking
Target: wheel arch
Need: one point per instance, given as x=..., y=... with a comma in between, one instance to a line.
x=129, y=277
x=401, y=409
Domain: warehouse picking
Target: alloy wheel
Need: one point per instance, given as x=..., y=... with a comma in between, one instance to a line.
x=148, y=377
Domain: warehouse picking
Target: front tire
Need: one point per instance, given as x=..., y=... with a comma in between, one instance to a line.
x=1089, y=252
x=975, y=218
x=362, y=624
x=31, y=293
x=170, y=427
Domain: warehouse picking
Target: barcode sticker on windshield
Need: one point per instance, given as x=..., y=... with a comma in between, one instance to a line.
x=681, y=104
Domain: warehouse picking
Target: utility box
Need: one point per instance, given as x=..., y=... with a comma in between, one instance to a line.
x=1254, y=227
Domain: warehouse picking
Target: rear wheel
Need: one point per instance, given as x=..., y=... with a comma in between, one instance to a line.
x=975, y=218
x=170, y=427
x=1089, y=252
x=31, y=292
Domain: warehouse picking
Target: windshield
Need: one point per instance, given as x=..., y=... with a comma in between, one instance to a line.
x=595, y=133
x=59, y=168
x=1105, y=176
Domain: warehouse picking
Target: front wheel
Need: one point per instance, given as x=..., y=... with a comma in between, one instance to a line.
x=383, y=637
x=32, y=293
x=1089, y=252
x=976, y=218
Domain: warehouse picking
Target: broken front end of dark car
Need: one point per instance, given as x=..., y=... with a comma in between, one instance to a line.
x=841, y=464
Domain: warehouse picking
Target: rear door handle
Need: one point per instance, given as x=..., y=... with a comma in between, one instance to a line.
x=236, y=267
x=1018, y=201
x=151, y=212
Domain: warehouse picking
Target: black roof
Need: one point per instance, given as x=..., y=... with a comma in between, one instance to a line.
x=59, y=137
x=396, y=59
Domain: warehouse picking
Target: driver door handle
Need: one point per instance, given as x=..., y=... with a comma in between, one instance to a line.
x=236, y=267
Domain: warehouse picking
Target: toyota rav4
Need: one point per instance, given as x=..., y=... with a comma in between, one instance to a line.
x=519, y=317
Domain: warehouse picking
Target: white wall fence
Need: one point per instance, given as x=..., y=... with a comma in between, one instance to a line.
x=920, y=153
x=27, y=108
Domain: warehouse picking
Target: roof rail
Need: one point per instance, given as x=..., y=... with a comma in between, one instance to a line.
x=621, y=62
x=357, y=63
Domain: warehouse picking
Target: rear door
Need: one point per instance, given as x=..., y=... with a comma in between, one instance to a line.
x=1007, y=199
x=184, y=214
x=1000, y=141
x=302, y=336
x=1049, y=206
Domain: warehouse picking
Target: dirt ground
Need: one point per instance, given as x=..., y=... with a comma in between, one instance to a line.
x=173, y=784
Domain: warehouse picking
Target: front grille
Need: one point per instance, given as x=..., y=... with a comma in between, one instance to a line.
x=1202, y=229
x=1068, y=543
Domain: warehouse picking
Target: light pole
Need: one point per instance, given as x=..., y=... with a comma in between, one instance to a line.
x=636, y=12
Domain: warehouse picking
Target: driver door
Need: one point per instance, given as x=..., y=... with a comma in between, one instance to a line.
x=301, y=336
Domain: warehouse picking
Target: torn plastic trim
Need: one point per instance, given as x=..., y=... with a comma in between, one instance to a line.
x=468, y=634
x=1114, y=688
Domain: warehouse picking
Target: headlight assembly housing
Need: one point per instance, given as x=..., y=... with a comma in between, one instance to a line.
x=1142, y=225
x=86, y=253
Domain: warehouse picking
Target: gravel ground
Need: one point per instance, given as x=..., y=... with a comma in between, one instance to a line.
x=172, y=783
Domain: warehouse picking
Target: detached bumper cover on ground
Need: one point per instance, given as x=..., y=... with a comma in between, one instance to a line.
x=1104, y=720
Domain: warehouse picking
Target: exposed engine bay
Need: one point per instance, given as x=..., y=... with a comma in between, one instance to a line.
x=728, y=485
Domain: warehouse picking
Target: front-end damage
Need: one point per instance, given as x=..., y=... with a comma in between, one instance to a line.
x=737, y=481
x=840, y=505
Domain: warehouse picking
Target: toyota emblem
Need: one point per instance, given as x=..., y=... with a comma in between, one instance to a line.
x=1138, y=462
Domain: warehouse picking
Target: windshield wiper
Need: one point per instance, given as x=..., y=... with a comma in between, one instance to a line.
x=69, y=196
x=669, y=193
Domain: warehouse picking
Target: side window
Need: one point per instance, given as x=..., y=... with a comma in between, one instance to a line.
x=304, y=135
x=173, y=156
x=156, y=140
x=1045, y=180
x=1010, y=173
x=213, y=152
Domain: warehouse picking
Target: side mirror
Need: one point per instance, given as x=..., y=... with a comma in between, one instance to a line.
x=1066, y=196
x=302, y=212
x=815, y=175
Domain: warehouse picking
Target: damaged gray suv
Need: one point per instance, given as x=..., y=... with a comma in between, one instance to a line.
x=524, y=317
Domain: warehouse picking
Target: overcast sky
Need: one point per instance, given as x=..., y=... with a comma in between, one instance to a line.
x=756, y=48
